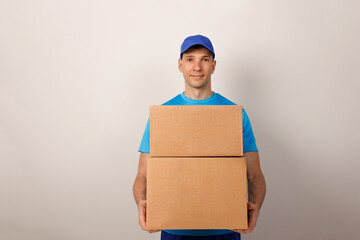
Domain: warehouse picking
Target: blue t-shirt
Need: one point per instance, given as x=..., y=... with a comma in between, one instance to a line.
x=249, y=145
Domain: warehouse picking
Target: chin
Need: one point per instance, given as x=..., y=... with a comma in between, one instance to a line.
x=198, y=86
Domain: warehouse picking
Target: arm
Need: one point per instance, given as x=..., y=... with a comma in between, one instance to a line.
x=139, y=190
x=256, y=189
x=256, y=180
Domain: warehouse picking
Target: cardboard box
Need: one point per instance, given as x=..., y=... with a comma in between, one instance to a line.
x=196, y=130
x=196, y=193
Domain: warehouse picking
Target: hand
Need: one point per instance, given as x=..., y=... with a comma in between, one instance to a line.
x=253, y=213
x=142, y=217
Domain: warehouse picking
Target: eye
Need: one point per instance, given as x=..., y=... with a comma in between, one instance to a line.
x=189, y=59
x=206, y=59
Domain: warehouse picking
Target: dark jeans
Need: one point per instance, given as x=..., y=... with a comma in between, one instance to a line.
x=229, y=236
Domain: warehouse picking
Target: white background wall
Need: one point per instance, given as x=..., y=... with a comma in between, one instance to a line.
x=77, y=78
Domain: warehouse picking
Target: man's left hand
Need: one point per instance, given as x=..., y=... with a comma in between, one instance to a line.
x=253, y=213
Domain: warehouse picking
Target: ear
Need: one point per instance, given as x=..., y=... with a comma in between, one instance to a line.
x=213, y=66
x=180, y=65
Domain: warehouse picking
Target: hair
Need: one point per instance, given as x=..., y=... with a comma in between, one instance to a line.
x=195, y=47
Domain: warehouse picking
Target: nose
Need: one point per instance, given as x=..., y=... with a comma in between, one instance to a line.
x=197, y=66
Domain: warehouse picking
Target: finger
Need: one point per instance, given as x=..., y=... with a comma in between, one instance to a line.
x=250, y=228
x=244, y=231
x=251, y=225
x=238, y=230
x=142, y=218
x=252, y=219
x=252, y=206
x=142, y=204
x=142, y=222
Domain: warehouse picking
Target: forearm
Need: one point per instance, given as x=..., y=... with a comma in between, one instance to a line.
x=257, y=189
x=139, y=189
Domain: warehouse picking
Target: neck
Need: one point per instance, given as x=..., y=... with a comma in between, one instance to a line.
x=198, y=93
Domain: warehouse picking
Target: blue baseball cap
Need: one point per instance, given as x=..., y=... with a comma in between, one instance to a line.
x=196, y=40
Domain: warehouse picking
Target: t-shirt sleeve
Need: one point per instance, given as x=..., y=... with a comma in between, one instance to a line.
x=145, y=142
x=249, y=143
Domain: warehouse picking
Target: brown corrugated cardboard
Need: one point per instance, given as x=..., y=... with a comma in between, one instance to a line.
x=196, y=193
x=196, y=130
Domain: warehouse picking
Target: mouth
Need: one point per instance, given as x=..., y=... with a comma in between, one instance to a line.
x=196, y=76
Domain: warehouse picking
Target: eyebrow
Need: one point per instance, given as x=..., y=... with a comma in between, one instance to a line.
x=194, y=56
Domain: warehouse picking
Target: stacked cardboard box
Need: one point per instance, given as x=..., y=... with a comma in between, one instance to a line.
x=196, y=175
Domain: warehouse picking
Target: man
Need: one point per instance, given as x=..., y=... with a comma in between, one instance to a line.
x=197, y=64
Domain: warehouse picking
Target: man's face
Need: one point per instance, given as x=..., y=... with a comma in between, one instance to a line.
x=197, y=65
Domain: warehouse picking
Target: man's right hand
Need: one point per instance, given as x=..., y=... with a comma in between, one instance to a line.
x=142, y=217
